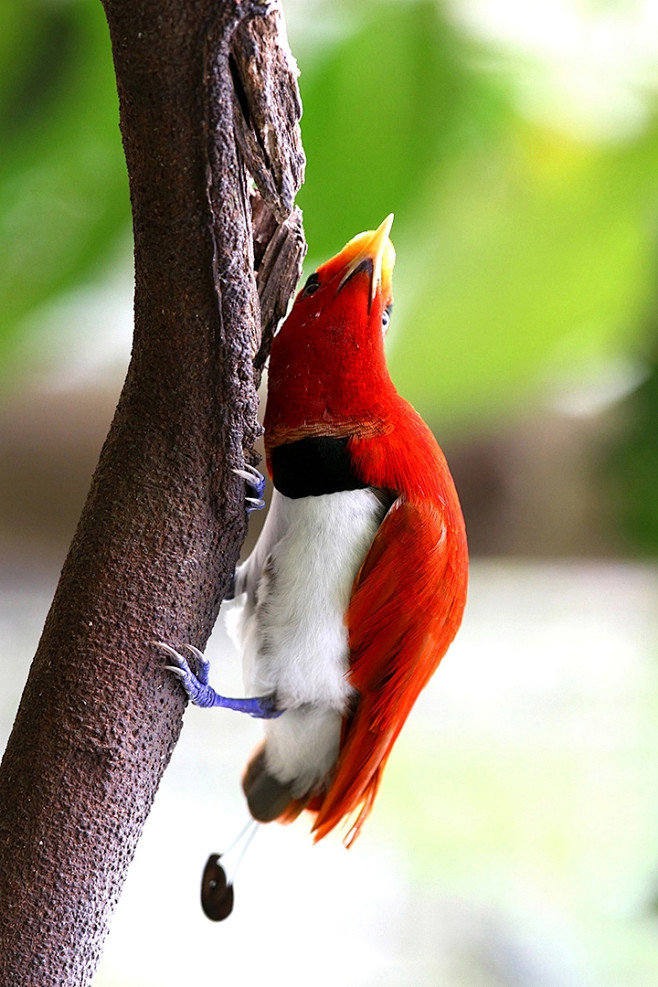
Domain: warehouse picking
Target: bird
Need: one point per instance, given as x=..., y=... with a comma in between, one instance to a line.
x=357, y=584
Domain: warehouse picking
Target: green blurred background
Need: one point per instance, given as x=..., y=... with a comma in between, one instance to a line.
x=517, y=145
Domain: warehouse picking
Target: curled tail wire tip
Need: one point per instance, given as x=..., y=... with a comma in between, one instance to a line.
x=216, y=888
x=216, y=892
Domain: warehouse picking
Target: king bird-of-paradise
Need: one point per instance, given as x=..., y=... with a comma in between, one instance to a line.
x=357, y=584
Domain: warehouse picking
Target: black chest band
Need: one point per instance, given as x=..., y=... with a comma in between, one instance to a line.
x=313, y=466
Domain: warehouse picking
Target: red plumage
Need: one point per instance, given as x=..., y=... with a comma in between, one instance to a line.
x=328, y=377
x=406, y=607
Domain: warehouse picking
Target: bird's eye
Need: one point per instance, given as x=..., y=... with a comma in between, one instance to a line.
x=311, y=286
x=386, y=316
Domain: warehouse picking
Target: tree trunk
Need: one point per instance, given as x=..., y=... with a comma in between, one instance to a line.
x=207, y=89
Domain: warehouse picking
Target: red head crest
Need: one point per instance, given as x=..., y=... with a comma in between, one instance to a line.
x=327, y=365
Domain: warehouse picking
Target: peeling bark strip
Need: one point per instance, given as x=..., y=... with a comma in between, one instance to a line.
x=267, y=111
x=252, y=114
x=164, y=521
x=278, y=258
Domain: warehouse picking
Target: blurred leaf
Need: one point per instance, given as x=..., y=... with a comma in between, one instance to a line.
x=630, y=470
x=63, y=188
x=533, y=256
x=520, y=252
x=385, y=109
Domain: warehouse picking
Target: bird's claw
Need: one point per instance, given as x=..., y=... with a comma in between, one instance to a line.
x=195, y=684
x=176, y=670
x=254, y=479
x=201, y=694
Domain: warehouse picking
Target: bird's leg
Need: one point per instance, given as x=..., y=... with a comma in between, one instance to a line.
x=201, y=694
x=254, y=479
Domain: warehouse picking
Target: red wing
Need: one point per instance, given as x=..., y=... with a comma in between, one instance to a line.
x=406, y=607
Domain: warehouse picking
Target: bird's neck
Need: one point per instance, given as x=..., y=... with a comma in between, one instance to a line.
x=339, y=393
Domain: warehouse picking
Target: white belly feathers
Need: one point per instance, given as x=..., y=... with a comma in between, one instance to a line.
x=291, y=625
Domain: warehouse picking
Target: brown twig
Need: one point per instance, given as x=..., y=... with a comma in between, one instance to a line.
x=164, y=521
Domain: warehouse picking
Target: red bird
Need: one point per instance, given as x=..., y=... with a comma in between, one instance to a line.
x=357, y=584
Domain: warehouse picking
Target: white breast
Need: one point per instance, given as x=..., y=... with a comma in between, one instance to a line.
x=298, y=582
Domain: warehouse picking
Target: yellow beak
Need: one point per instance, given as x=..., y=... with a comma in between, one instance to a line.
x=371, y=247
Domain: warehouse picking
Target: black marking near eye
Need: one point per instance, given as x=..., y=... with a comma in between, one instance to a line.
x=311, y=286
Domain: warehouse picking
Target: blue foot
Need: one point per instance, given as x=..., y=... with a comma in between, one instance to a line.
x=256, y=481
x=202, y=694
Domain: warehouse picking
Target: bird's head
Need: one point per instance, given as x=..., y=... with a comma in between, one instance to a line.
x=353, y=290
x=327, y=371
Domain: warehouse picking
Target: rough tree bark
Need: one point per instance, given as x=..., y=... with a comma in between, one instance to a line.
x=207, y=90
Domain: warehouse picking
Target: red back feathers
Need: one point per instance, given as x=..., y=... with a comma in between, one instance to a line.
x=328, y=377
